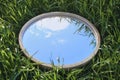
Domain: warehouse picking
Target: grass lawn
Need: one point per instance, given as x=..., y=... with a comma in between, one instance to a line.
x=104, y=14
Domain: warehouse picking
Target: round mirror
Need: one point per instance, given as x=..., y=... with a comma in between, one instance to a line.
x=60, y=39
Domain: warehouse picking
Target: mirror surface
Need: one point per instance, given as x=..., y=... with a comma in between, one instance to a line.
x=59, y=40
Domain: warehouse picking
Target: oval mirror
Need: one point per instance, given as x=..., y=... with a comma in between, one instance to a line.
x=60, y=39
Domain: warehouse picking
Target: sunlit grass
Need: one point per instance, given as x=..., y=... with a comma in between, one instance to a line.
x=104, y=14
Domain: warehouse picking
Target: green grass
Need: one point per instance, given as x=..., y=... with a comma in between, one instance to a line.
x=104, y=14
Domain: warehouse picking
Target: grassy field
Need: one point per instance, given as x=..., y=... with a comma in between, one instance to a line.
x=104, y=14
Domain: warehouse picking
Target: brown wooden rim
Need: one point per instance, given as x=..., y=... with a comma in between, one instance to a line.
x=66, y=14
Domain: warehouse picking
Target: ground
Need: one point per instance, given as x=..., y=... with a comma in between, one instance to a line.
x=104, y=14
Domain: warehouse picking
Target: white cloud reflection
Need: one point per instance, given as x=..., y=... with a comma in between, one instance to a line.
x=33, y=32
x=47, y=26
x=53, y=24
x=59, y=41
x=48, y=34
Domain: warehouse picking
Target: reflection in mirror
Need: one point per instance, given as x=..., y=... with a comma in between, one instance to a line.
x=59, y=40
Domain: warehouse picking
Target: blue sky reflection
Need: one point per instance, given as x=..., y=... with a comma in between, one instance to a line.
x=58, y=37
